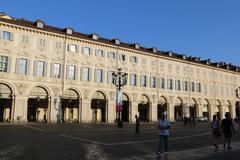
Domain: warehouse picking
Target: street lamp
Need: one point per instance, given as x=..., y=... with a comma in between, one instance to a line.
x=119, y=80
x=238, y=96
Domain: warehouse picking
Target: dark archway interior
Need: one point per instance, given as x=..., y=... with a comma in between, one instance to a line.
x=4, y=104
x=161, y=109
x=33, y=105
x=125, y=111
x=143, y=110
x=99, y=104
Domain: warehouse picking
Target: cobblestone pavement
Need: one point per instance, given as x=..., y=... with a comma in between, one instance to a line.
x=105, y=142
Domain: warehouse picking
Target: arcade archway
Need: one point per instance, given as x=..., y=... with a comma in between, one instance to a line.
x=205, y=109
x=178, y=110
x=99, y=107
x=125, y=108
x=162, y=107
x=144, y=108
x=237, y=109
x=193, y=108
x=217, y=110
x=5, y=103
x=38, y=104
x=70, y=106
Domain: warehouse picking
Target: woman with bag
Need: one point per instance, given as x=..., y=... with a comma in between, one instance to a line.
x=216, y=129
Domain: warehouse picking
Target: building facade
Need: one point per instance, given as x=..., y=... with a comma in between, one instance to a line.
x=67, y=75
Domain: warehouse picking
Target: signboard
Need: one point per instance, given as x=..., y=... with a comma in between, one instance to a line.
x=119, y=99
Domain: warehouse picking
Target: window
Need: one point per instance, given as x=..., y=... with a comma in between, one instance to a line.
x=43, y=42
x=143, y=81
x=99, y=53
x=40, y=68
x=22, y=66
x=72, y=48
x=112, y=55
x=170, y=84
x=133, y=59
x=71, y=72
x=122, y=57
x=3, y=63
x=185, y=86
x=153, y=62
x=86, y=74
x=24, y=39
x=162, y=83
x=178, y=85
x=56, y=70
x=86, y=50
x=199, y=87
x=133, y=78
x=153, y=82
x=99, y=75
x=110, y=77
x=192, y=87
x=7, y=35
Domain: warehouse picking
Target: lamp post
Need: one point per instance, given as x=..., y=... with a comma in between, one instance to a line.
x=238, y=96
x=119, y=80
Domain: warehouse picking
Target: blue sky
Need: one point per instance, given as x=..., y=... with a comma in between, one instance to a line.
x=202, y=28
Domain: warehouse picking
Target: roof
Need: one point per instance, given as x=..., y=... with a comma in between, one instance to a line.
x=153, y=51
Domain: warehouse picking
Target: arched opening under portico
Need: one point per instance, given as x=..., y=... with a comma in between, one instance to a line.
x=5, y=103
x=144, y=108
x=99, y=107
x=70, y=106
x=38, y=101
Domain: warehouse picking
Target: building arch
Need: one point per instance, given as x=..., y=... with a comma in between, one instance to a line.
x=46, y=88
x=99, y=106
x=71, y=105
x=178, y=109
x=193, y=107
x=126, y=107
x=39, y=104
x=206, y=109
x=144, y=109
x=6, y=102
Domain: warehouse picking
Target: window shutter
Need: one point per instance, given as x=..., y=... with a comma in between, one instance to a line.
x=90, y=51
x=77, y=48
x=95, y=75
x=45, y=69
x=103, y=76
x=76, y=73
x=90, y=74
x=11, y=36
x=28, y=66
x=1, y=34
x=35, y=68
x=96, y=52
x=52, y=70
x=108, y=77
x=103, y=54
x=9, y=64
x=68, y=47
x=61, y=70
x=82, y=50
x=17, y=65
x=67, y=73
x=81, y=75
x=108, y=54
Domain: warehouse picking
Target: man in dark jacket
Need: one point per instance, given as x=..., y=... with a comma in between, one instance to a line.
x=227, y=129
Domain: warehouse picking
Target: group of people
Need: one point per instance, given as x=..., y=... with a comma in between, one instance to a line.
x=189, y=120
x=225, y=128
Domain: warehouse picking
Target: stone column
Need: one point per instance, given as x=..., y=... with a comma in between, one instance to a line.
x=199, y=110
x=21, y=107
x=111, y=111
x=170, y=112
x=86, y=110
x=210, y=111
x=154, y=112
x=80, y=111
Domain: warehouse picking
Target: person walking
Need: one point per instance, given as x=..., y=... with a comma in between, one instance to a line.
x=228, y=130
x=216, y=130
x=44, y=118
x=163, y=127
x=137, y=129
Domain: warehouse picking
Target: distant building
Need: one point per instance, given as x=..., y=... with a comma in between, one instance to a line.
x=49, y=70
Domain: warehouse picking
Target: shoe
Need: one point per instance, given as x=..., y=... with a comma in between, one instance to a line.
x=215, y=145
x=165, y=153
x=158, y=153
x=229, y=148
